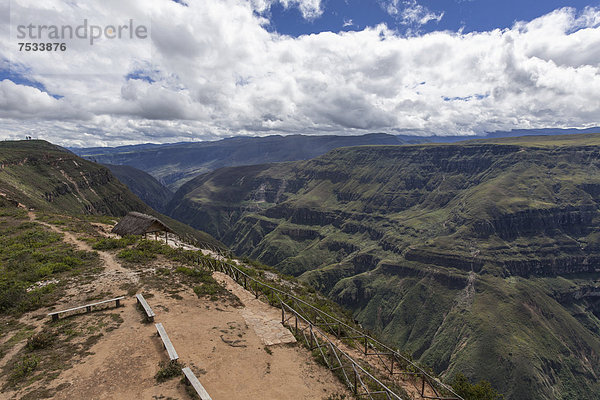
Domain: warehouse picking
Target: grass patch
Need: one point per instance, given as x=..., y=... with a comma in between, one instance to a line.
x=29, y=253
x=112, y=243
x=136, y=256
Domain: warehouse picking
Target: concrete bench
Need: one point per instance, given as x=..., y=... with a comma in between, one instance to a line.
x=142, y=301
x=196, y=384
x=87, y=307
x=166, y=342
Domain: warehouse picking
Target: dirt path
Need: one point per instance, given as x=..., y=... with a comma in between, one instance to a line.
x=213, y=339
x=114, y=274
x=264, y=319
x=236, y=352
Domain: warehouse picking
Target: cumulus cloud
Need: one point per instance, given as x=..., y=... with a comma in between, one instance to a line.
x=213, y=69
x=411, y=13
x=310, y=9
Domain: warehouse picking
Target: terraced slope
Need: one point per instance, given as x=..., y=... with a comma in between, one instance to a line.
x=481, y=257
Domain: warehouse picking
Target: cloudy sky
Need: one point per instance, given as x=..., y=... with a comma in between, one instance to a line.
x=208, y=69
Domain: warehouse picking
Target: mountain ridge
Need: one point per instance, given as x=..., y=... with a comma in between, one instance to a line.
x=430, y=245
x=174, y=164
x=52, y=179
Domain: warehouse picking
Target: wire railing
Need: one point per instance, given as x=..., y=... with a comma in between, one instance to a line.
x=314, y=326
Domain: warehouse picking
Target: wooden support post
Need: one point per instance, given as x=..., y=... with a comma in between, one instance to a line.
x=282, y=315
x=392, y=367
x=355, y=383
x=366, y=347
x=54, y=317
x=311, y=337
x=166, y=237
x=118, y=303
x=294, y=315
x=244, y=281
x=423, y=386
x=88, y=309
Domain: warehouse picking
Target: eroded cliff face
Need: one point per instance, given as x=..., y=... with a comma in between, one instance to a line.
x=432, y=246
x=423, y=203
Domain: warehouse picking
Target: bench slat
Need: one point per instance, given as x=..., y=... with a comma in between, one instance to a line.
x=87, y=305
x=167, y=342
x=145, y=305
x=196, y=384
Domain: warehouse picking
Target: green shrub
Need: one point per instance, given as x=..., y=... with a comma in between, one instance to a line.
x=136, y=256
x=111, y=243
x=155, y=246
x=198, y=275
x=483, y=390
x=168, y=370
x=25, y=367
x=39, y=341
x=209, y=289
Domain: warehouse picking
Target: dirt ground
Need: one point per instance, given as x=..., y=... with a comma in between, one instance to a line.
x=236, y=352
x=227, y=355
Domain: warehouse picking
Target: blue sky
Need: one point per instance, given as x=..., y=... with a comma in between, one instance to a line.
x=469, y=15
x=221, y=68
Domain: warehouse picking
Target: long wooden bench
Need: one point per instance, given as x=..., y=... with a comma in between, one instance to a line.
x=142, y=301
x=196, y=384
x=167, y=342
x=87, y=307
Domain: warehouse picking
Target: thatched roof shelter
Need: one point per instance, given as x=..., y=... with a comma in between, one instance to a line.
x=136, y=223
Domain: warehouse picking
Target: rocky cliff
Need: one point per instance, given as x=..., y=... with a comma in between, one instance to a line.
x=454, y=253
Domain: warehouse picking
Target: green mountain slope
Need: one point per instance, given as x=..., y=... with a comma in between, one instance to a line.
x=49, y=178
x=174, y=164
x=142, y=185
x=481, y=257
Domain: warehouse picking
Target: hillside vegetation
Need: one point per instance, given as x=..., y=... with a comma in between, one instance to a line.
x=51, y=179
x=143, y=185
x=480, y=257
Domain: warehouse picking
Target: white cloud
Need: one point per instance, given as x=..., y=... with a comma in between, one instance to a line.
x=309, y=9
x=212, y=69
x=418, y=14
x=410, y=12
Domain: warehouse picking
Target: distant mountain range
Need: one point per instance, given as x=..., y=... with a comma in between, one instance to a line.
x=174, y=164
x=171, y=165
